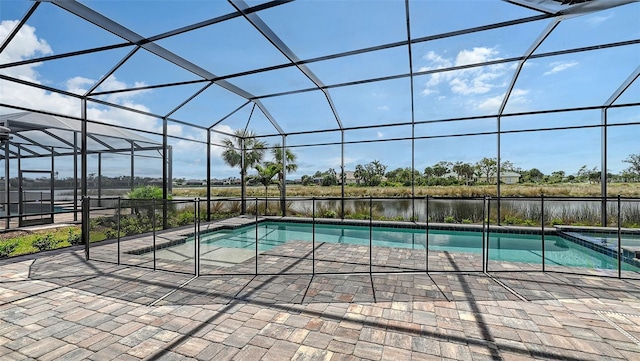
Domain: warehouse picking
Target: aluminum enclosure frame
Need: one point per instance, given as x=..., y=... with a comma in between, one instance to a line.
x=207, y=78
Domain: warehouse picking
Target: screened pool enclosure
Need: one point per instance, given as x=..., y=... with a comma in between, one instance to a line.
x=529, y=107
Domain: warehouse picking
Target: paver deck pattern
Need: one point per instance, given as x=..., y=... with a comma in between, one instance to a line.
x=62, y=307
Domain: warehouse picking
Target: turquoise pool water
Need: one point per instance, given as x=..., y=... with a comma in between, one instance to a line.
x=502, y=247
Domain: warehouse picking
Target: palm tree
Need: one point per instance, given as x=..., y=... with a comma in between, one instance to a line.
x=290, y=167
x=244, y=151
x=290, y=158
x=266, y=174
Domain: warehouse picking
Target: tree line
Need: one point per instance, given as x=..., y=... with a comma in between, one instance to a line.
x=483, y=171
x=375, y=173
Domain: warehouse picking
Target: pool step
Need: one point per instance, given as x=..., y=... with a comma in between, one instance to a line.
x=629, y=256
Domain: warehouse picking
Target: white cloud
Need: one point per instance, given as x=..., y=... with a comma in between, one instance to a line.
x=24, y=45
x=476, y=80
x=560, y=66
x=383, y=107
x=437, y=62
x=380, y=135
x=79, y=85
x=475, y=56
x=427, y=91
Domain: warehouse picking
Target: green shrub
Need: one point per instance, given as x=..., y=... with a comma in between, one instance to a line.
x=449, y=219
x=146, y=192
x=329, y=213
x=73, y=238
x=467, y=221
x=556, y=221
x=45, y=243
x=185, y=217
x=6, y=248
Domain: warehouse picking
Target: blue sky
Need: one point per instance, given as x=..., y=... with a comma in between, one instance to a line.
x=316, y=28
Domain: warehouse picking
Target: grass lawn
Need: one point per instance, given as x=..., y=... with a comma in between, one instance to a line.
x=19, y=242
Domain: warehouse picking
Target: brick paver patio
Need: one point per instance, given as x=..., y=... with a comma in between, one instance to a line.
x=61, y=307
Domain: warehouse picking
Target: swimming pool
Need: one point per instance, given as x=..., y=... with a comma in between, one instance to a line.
x=502, y=246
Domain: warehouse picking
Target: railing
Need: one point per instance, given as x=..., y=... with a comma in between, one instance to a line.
x=395, y=235
x=35, y=208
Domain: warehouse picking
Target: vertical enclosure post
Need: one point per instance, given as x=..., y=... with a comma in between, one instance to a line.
x=313, y=236
x=118, y=226
x=85, y=226
x=283, y=186
x=197, y=238
x=370, y=234
x=484, y=234
x=84, y=148
x=486, y=259
x=153, y=227
x=7, y=184
x=52, y=185
x=426, y=242
x=619, y=240
x=542, y=227
x=243, y=190
x=75, y=176
x=20, y=191
x=132, y=170
x=342, y=175
x=208, y=175
x=256, y=236
x=99, y=180
x=196, y=241
x=165, y=179
x=603, y=170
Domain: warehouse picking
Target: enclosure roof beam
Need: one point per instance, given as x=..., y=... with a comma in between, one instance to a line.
x=268, y=115
x=58, y=138
x=545, y=33
x=104, y=144
x=39, y=86
x=188, y=99
x=153, y=38
x=64, y=55
x=21, y=146
x=460, y=67
x=218, y=19
x=347, y=53
x=12, y=152
x=624, y=86
x=32, y=142
x=19, y=26
x=113, y=70
x=228, y=115
x=102, y=21
x=106, y=23
x=275, y=40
